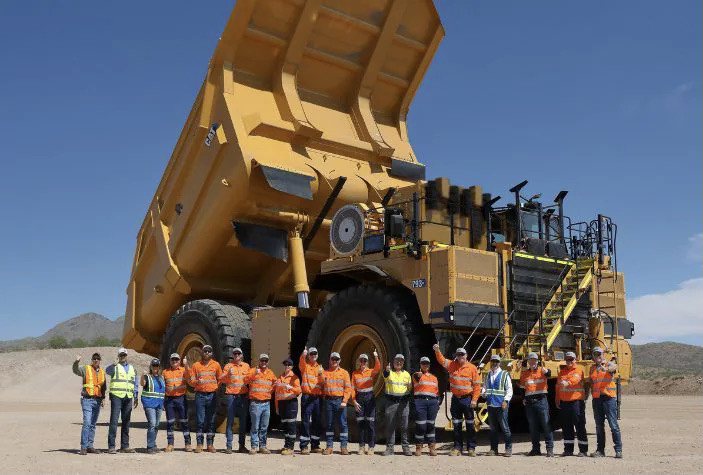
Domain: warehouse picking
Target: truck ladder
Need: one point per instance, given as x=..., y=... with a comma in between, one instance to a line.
x=560, y=307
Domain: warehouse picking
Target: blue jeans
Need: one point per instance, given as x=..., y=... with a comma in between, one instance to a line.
x=205, y=407
x=176, y=408
x=366, y=418
x=288, y=410
x=237, y=406
x=426, y=409
x=153, y=418
x=119, y=407
x=312, y=421
x=91, y=411
x=606, y=407
x=461, y=409
x=537, y=411
x=334, y=412
x=498, y=422
x=260, y=413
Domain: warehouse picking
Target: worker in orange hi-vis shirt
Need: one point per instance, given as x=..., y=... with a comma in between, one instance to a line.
x=176, y=378
x=337, y=389
x=465, y=384
x=364, y=401
x=310, y=402
x=203, y=376
x=261, y=387
x=236, y=392
x=287, y=390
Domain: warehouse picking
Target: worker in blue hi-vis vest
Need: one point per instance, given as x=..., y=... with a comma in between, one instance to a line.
x=498, y=390
x=154, y=387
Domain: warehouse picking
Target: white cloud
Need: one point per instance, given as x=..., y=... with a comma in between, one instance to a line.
x=695, y=247
x=669, y=315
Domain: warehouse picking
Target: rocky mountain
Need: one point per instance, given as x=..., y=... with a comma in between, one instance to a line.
x=86, y=328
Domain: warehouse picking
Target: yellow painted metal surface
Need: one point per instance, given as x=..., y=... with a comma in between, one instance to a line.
x=314, y=89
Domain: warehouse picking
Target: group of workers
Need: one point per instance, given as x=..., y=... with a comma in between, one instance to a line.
x=249, y=392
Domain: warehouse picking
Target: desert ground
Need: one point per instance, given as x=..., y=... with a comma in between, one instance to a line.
x=40, y=419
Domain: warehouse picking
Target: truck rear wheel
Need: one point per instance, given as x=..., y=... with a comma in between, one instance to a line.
x=207, y=322
x=362, y=318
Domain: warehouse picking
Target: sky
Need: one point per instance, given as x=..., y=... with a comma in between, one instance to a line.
x=599, y=98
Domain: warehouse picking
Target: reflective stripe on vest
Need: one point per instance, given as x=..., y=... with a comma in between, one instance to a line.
x=397, y=383
x=122, y=384
x=93, y=381
x=426, y=386
x=151, y=391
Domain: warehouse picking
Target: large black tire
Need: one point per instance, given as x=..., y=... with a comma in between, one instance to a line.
x=220, y=324
x=392, y=313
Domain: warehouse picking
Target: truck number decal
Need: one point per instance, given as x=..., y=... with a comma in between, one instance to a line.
x=419, y=283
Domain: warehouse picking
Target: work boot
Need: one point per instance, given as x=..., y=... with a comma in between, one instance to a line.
x=407, y=452
x=211, y=449
x=454, y=452
x=264, y=450
x=287, y=452
x=534, y=452
x=151, y=450
x=567, y=454
x=317, y=450
x=618, y=455
x=508, y=453
x=189, y=448
x=418, y=449
x=127, y=450
x=198, y=448
x=492, y=452
x=83, y=452
x=91, y=450
x=471, y=453
x=169, y=448
x=328, y=451
x=370, y=451
x=305, y=451
x=597, y=454
x=362, y=450
x=228, y=450
x=433, y=451
x=550, y=452
x=388, y=452
x=253, y=451
x=243, y=449
x=582, y=454
x=343, y=451
x=111, y=451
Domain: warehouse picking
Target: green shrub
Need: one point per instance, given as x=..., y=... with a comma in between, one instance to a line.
x=57, y=342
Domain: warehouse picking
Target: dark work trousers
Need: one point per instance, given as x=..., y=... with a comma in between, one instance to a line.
x=119, y=407
x=312, y=421
x=426, y=409
x=573, y=414
x=498, y=422
x=176, y=409
x=205, y=408
x=460, y=410
x=397, y=414
x=537, y=412
x=366, y=418
x=288, y=410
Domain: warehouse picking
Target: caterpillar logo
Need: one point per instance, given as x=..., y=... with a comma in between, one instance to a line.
x=211, y=134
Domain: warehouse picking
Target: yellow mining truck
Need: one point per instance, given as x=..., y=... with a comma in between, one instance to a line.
x=294, y=211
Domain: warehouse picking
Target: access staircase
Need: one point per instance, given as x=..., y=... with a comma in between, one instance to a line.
x=559, y=308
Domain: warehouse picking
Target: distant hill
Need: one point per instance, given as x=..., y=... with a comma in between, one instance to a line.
x=667, y=357
x=86, y=327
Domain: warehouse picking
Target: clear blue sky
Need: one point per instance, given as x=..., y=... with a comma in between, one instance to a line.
x=600, y=98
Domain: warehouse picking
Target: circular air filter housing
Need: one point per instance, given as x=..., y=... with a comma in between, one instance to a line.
x=347, y=230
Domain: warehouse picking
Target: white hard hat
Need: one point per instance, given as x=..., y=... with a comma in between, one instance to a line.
x=598, y=349
x=263, y=356
x=532, y=356
x=460, y=351
x=399, y=356
x=570, y=354
x=495, y=358
x=363, y=356
x=335, y=355
x=424, y=359
x=175, y=356
x=122, y=351
x=312, y=350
